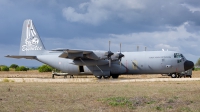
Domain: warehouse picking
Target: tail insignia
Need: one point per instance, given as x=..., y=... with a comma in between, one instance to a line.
x=32, y=40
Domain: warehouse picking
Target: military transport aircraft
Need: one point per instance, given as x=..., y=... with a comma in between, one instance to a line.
x=100, y=63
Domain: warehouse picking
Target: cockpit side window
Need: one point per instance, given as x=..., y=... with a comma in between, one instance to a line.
x=178, y=55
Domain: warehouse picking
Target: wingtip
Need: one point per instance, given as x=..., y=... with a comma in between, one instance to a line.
x=7, y=56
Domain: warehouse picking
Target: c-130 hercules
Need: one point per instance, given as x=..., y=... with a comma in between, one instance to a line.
x=100, y=63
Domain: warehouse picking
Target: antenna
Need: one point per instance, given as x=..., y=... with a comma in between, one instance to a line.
x=137, y=48
x=109, y=45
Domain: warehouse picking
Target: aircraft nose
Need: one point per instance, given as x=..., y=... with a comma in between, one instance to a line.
x=188, y=65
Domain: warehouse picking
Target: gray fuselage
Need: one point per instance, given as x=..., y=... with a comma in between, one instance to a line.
x=145, y=62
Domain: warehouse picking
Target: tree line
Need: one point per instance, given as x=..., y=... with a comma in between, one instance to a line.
x=15, y=67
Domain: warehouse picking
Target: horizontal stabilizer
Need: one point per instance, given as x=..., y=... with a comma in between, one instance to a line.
x=20, y=56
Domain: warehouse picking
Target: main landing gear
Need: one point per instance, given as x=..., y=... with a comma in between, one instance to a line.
x=107, y=77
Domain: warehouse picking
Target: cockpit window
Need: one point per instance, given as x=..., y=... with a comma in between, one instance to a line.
x=178, y=55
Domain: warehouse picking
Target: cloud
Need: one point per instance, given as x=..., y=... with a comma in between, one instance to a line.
x=166, y=47
x=129, y=11
x=175, y=39
x=191, y=8
x=90, y=24
x=97, y=11
x=150, y=39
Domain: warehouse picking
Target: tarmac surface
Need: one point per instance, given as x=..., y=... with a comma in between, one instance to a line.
x=76, y=80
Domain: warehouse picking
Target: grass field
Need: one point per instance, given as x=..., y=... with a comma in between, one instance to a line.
x=113, y=97
x=98, y=96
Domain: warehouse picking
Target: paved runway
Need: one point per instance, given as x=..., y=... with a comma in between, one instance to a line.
x=69, y=80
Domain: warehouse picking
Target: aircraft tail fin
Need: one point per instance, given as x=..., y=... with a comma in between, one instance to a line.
x=31, y=44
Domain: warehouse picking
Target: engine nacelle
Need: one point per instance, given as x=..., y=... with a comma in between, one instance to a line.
x=97, y=55
x=117, y=56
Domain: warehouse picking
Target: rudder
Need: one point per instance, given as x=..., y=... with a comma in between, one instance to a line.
x=31, y=44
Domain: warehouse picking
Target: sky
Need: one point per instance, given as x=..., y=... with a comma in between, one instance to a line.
x=90, y=24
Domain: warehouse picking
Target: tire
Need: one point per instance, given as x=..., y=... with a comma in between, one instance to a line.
x=98, y=77
x=106, y=77
x=178, y=76
x=115, y=76
x=173, y=75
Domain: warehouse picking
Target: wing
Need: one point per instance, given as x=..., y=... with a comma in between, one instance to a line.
x=73, y=50
x=77, y=53
x=20, y=56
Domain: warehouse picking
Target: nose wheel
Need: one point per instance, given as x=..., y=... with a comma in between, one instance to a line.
x=174, y=75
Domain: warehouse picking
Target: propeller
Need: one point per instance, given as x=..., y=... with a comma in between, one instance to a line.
x=120, y=55
x=109, y=54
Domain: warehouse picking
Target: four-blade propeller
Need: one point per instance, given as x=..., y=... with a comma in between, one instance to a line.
x=118, y=56
x=109, y=54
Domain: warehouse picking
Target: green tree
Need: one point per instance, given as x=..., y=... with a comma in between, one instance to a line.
x=33, y=68
x=198, y=62
x=4, y=68
x=13, y=66
x=45, y=68
x=21, y=68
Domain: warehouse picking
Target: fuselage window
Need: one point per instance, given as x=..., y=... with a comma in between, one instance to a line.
x=178, y=61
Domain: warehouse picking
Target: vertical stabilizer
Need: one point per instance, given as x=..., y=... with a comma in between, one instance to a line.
x=31, y=44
